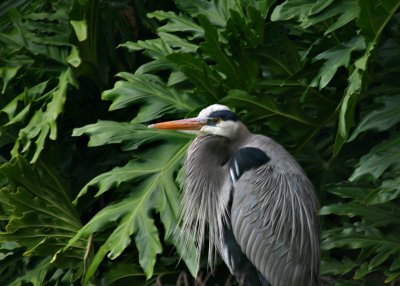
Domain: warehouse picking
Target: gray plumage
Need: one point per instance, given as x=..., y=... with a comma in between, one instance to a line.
x=260, y=207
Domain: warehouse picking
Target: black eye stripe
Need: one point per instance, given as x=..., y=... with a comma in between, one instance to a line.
x=224, y=115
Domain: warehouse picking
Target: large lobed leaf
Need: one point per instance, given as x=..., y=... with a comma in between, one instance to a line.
x=216, y=11
x=43, y=123
x=379, y=159
x=335, y=58
x=312, y=12
x=153, y=190
x=372, y=209
x=177, y=23
x=37, y=35
x=40, y=215
x=130, y=136
x=383, y=117
x=151, y=93
x=372, y=30
x=362, y=236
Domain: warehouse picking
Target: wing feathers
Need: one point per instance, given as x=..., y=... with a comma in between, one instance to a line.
x=273, y=216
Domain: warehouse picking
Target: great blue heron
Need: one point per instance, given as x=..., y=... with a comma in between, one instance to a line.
x=260, y=206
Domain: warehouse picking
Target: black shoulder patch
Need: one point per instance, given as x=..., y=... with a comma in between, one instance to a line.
x=224, y=115
x=245, y=159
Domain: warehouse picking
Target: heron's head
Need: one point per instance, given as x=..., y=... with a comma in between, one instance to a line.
x=216, y=119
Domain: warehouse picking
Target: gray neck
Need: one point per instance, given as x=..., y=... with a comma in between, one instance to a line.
x=207, y=189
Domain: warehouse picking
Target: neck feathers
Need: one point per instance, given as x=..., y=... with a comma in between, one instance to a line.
x=206, y=191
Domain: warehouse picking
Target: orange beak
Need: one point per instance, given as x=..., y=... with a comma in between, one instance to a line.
x=182, y=124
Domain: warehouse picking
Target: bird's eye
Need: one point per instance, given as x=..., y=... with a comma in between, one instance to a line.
x=214, y=121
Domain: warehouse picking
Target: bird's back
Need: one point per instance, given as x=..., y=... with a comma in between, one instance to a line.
x=273, y=214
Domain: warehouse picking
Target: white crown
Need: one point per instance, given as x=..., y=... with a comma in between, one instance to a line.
x=205, y=113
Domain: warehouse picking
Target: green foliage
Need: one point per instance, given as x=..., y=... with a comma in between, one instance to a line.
x=371, y=30
x=382, y=117
x=41, y=219
x=155, y=190
x=35, y=110
x=90, y=195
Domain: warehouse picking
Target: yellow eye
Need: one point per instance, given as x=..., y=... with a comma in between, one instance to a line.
x=213, y=121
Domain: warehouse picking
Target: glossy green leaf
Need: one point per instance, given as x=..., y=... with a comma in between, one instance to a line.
x=13, y=108
x=335, y=58
x=177, y=23
x=396, y=263
x=280, y=63
x=375, y=16
x=80, y=28
x=217, y=12
x=35, y=276
x=149, y=91
x=42, y=33
x=249, y=26
x=350, y=99
x=343, y=12
x=267, y=105
x=298, y=9
x=155, y=48
x=7, y=74
x=333, y=267
x=379, y=159
x=122, y=271
x=130, y=136
x=380, y=19
x=225, y=64
x=43, y=123
x=312, y=12
x=380, y=119
x=373, y=215
x=156, y=191
x=387, y=191
x=363, y=237
x=42, y=216
x=178, y=43
x=73, y=58
x=38, y=35
x=349, y=190
x=392, y=276
x=207, y=80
